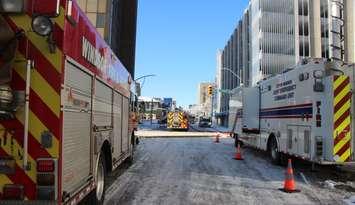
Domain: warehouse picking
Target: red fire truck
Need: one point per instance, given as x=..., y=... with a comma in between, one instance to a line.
x=65, y=104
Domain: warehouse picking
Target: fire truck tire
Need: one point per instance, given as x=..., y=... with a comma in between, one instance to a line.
x=134, y=140
x=274, y=151
x=98, y=195
x=130, y=159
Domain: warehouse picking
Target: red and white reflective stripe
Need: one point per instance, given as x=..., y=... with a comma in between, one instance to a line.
x=81, y=195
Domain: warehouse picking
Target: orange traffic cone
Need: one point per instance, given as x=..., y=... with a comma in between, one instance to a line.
x=289, y=183
x=217, y=138
x=238, y=154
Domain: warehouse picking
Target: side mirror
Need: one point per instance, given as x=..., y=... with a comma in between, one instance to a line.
x=49, y=8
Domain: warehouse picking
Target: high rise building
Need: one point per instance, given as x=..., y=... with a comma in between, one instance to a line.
x=233, y=66
x=116, y=21
x=273, y=35
x=283, y=32
x=123, y=21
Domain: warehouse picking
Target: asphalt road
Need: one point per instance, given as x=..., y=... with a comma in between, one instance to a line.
x=198, y=171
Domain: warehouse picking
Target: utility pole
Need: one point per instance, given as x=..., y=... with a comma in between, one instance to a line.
x=210, y=90
x=151, y=112
x=211, y=107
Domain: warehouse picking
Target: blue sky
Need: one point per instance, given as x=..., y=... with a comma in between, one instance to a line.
x=178, y=39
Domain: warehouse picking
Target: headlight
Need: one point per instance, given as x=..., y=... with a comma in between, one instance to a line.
x=11, y=6
x=42, y=25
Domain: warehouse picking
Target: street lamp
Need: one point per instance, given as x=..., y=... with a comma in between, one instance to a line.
x=139, y=86
x=145, y=76
x=229, y=91
x=236, y=75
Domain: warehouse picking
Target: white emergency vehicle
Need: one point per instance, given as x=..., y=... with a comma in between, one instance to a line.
x=304, y=111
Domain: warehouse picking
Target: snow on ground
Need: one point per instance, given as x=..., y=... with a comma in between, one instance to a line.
x=198, y=171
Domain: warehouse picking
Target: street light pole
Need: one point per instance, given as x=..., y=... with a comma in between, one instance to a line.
x=151, y=112
x=151, y=108
x=145, y=76
x=212, y=105
x=230, y=90
x=236, y=75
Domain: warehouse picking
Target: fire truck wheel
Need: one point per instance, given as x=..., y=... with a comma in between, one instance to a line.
x=98, y=195
x=274, y=152
x=130, y=159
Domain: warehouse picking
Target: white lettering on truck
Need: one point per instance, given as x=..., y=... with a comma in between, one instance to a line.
x=93, y=55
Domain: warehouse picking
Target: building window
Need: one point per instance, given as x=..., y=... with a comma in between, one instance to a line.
x=82, y=4
x=101, y=20
x=92, y=17
x=102, y=7
x=91, y=6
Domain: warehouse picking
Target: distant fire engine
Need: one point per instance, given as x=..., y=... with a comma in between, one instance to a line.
x=177, y=120
x=304, y=112
x=66, y=105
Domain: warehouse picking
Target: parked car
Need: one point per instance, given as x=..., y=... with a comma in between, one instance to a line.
x=205, y=122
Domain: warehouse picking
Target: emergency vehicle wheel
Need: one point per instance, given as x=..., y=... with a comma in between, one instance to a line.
x=130, y=159
x=274, y=152
x=98, y=195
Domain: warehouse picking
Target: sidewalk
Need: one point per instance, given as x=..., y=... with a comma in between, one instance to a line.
x=172, y=134
x=146, y=125
x=211, y=129
x=221, y=129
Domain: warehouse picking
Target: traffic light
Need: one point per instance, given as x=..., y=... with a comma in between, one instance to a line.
x=209, y=90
